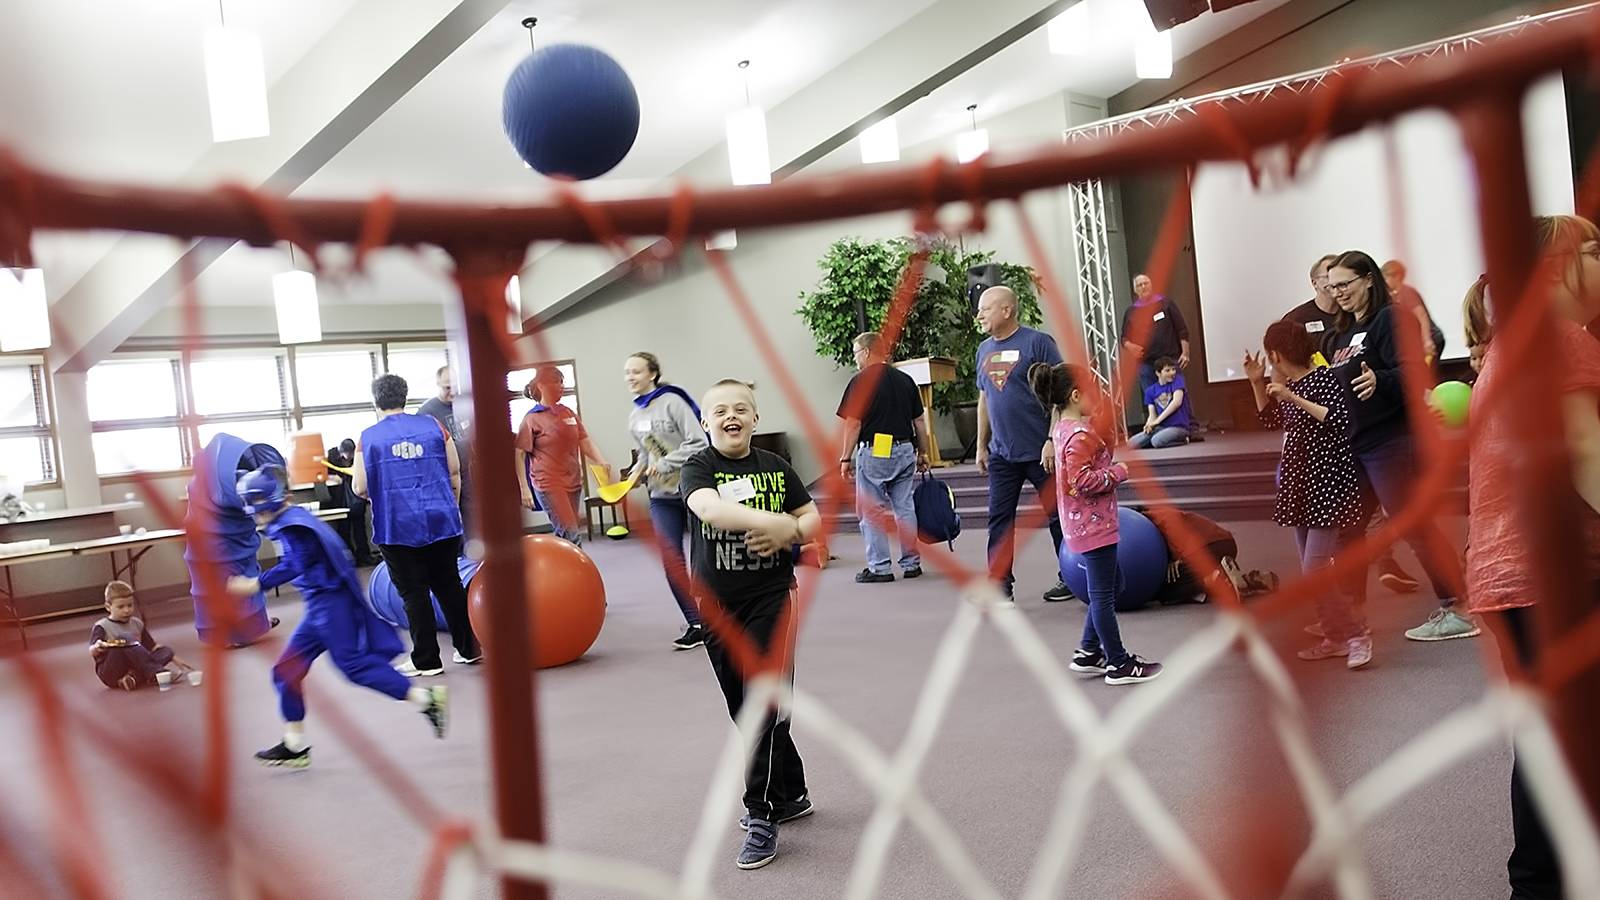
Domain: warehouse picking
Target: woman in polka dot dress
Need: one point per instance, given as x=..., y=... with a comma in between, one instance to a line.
x=1319, y=491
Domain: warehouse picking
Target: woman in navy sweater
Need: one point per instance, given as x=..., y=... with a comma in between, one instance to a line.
x=1364, y=349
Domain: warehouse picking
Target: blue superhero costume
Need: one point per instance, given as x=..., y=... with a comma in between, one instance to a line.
x=232, y=540
x=337, y=620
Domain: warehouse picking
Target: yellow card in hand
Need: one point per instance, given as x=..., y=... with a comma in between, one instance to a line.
x=882, y=445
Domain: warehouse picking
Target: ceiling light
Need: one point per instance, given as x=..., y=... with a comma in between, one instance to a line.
x=24, y=310
x=514, y=305
x=1069, y=32
x=880, y=143
x=748, y=159
x=972, y=144
x=236, y=82
x=294, y=294
x=1152, y=56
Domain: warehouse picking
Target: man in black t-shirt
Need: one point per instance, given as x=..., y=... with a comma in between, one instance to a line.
x=442, y=408
x=1317, y=314
x=747, y=510
x=1167, y=335
x=885, y=445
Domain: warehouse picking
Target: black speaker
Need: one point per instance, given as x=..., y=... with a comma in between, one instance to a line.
x=980, y=279
x=1167, y=13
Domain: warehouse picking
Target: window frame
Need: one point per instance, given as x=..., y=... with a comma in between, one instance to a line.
x=44, y=427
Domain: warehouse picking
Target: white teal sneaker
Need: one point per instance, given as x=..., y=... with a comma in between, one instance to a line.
x=1445, y=624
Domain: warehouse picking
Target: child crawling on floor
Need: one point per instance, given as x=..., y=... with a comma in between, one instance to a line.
x=125, y=655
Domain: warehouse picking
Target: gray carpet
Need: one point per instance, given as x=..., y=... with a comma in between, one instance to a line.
x=631, y=733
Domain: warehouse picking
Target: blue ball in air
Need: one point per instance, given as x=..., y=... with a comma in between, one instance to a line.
x=571, y=111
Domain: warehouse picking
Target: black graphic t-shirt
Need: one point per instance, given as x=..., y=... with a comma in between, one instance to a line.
x=720, y=559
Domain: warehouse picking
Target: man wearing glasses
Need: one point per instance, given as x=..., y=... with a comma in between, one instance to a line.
x=1316, y=314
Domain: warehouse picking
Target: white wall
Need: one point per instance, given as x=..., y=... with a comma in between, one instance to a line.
x=1253, y=246
x=690, y=323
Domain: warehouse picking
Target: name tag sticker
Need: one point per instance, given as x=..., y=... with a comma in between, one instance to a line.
x=1010, y=356
x=1315, y=327
x=572, y=420
x=1357, y=339
x=882, y=445
x=737, y=491
x=1159, y=316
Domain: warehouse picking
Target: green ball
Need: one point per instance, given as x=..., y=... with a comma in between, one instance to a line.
x=1452, y=399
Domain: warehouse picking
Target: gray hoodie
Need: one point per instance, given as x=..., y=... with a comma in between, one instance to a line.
x=667, y=434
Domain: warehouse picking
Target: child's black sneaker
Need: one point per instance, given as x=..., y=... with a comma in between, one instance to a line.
x=1089, y=662
x=760, y=845
x=281, y=756
x=438, y=709
x=1132, y=671
x=693, y=636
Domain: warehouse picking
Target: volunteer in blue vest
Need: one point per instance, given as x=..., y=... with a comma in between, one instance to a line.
x=1013, y=429
x=406, y=465
x=885, y=445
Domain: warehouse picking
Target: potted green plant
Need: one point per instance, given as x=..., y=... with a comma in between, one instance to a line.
x=857, y=287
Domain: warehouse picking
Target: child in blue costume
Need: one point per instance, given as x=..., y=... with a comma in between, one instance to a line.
x=337, y=619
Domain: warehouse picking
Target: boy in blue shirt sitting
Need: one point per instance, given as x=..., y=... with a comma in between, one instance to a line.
x=1166, y=403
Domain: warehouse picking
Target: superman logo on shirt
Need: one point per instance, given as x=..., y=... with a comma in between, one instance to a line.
x=998, y=365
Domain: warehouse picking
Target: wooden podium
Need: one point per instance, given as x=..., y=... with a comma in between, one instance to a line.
x=927, y=372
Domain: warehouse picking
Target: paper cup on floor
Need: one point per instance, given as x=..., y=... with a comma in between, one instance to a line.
x=194, y=678
x=163, y=678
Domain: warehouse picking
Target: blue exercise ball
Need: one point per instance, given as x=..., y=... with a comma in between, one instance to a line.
x=385, y=599
x=571, y=111
x=1141, y=563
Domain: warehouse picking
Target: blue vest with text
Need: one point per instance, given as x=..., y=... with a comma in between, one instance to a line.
x=408, y=481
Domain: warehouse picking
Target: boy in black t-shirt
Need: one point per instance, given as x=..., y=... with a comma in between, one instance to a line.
x=747, y=509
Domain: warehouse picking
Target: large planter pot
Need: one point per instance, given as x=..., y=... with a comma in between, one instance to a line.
x=966, y=421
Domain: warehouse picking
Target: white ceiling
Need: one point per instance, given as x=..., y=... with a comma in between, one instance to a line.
x=122, y=96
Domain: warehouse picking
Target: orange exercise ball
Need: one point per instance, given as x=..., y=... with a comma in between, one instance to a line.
x=566, y=601
x=305, y=458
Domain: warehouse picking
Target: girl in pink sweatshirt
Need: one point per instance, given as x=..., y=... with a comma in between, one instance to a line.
x=1086, y=495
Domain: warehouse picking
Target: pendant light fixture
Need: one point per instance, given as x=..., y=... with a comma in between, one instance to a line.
x=1152, y=55
x=881, y=143
x=294, y=294
x=24, y=311
x=236, y=82
x=514, y=305
x=972, y=144
x=748, y=159
x=1069, y=32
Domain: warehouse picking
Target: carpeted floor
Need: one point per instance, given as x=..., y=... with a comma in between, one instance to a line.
x=631, y=732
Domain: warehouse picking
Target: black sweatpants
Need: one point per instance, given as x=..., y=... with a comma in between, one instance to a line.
x=776, y=781
x=1533, y=868
x=432, y=567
